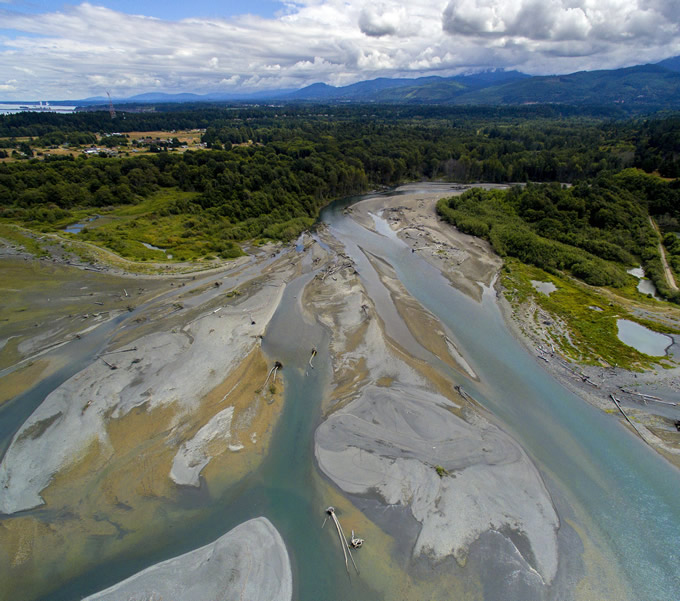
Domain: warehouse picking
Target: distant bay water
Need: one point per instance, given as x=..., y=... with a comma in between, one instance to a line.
x=33, y=107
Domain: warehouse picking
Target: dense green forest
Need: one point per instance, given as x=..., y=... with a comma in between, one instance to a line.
x=595, y=229
x=267, y=171
x=166, y=117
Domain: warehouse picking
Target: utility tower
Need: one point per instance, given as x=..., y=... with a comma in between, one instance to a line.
x=112, y=111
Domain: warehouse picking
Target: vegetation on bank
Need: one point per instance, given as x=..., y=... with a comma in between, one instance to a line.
x=146, y=231
x=268, y=171
x=595, y=229
x=15, y=236
x=583, y=324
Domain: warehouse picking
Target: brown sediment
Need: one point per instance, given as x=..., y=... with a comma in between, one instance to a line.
x=347, y=382
x=256, y=411
x=437, y=380
x=671, y=438
x=9, y=354
x=377, y=559
x=136, y=461
x=424, y=327
x=598, y=569
x=19, y=381
x=19, y=537
x=114, y=491
x=351, y=373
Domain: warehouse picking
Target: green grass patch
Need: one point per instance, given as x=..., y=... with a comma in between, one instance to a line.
x=593, y=333
x=441, y=471
x=80, y=251
x=178, y=237
x=15, y=236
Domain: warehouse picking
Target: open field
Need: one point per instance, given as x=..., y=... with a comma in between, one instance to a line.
x=189, y=138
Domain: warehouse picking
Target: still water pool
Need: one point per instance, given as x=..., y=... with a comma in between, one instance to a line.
x=643, y=339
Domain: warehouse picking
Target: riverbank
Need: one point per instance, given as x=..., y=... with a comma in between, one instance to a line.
x=399, y=437
x=470, y=265
x=465, y=260
x=653, y=422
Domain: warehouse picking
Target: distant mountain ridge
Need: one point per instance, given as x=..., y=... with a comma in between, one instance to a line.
x=645, y=85
x=387, y=90
x=641, y=87
x=672, y=63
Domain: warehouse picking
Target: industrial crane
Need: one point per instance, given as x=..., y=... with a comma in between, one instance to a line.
x=112, y=111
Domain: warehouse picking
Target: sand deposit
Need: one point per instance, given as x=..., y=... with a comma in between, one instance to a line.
x=249, y=562
x=175, y=368
x=394, y=440
x=389, y=432
x=411, y=214
x=194, y=454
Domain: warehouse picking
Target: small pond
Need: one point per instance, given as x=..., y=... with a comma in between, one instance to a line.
x=543, y=287
x=75, y=228
x=643, y=339
x=644, y=286
x=152, y=247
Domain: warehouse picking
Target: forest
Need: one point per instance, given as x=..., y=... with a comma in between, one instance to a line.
x=596, y=229
x=266, y=172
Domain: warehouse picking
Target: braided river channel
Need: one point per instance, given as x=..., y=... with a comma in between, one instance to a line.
x=616, y=500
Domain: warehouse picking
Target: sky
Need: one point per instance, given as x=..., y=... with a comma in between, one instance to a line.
x=58, y=50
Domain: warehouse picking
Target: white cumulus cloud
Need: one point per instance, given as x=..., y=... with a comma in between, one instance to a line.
x=85, y=49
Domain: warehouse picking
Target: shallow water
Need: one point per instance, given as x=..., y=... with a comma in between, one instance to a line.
x=646, y=286
x=152, y=247
x=546, y=288
x=76, y=228
x=643, y=339
x=622, y=489
x=605, y=481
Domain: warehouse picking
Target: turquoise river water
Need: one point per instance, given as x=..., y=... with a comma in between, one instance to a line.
x=623, y=493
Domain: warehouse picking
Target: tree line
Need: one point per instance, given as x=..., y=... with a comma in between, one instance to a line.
x=269, y=170
x=596, y=229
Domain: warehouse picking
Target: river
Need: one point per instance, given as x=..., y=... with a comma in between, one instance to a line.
x=622, y=488
x=604, y=481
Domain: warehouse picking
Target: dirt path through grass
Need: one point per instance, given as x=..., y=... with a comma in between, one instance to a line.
x=667, y=270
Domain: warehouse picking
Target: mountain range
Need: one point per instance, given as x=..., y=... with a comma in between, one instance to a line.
x=641, y=87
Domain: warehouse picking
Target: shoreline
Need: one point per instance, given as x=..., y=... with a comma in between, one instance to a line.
x=653, y=425
x=604, y=382
x=390, y=400
x=185, y=409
